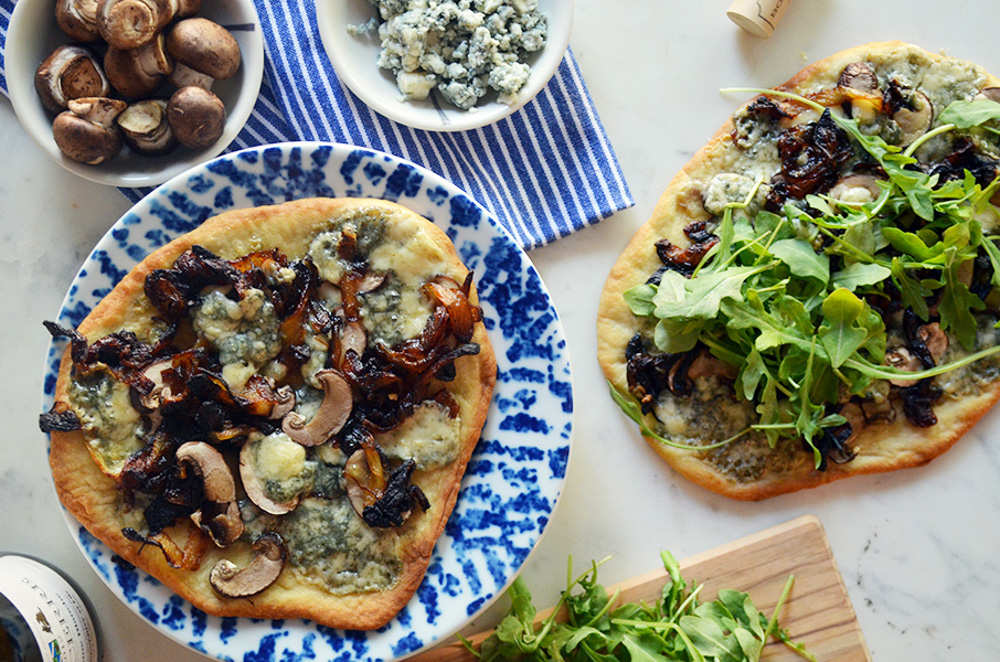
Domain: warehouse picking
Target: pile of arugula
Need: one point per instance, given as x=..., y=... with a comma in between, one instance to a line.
x=676, y=627
x=782, y=296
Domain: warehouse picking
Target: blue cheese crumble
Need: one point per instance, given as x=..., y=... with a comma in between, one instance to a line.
x=463, y=48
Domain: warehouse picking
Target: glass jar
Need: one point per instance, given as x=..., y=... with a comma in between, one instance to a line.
x=43, y=616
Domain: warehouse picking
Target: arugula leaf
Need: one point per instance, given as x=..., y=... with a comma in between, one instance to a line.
x=678, y=627
x=841, y=334
x=639, y=299
x=957, y=304
x=859, y=274
x=801, y=259
x=700, y=297
x=967, y=114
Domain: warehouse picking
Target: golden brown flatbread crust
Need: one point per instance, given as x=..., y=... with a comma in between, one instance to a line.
x=92, y=498
x=883, y=447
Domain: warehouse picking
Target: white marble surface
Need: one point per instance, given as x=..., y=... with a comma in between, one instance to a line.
x=917, y=548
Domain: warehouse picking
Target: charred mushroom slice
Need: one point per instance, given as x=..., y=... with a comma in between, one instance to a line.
x=220, y=516
x=87, y=131
x=204, y=46
x=138, y=72
x=196, y=116
x=332, y=414
x=145, y=128
x=70, y=72
x=859, y=76
x=268, y=562
x=934, y=339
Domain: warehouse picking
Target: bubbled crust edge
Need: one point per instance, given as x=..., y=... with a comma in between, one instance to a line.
x=882, y=447
x=91, y=496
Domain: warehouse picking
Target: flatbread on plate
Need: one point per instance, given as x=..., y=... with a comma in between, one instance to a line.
x=754, y=191
x=318, y=296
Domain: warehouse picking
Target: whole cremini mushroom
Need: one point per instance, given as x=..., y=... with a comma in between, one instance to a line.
x=196, y=116
x=132, y=23
x=137, y=73
x=205, y=47
x=87, y=132
x=69, y=72
x=78, y=19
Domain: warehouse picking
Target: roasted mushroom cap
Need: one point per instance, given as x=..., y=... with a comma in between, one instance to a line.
x=145, y=128
x=220, y=516
x=78, y=19
x=269, y=560
x=87, y=132
x=196, y=116
x=70, y=72
x=204, y=46
x=137, y=72
x=331, y=416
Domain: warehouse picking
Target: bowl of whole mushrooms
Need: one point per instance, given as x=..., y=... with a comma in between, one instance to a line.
x=133, y=92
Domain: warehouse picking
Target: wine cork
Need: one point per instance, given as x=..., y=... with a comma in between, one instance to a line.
x=758, y=17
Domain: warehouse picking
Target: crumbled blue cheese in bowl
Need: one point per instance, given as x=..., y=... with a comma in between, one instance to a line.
x=463, y=48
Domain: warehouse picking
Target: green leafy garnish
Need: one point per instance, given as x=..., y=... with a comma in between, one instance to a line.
x=785, y=297
x=597, y=629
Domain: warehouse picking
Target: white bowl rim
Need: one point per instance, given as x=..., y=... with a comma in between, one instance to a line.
x=446, y=118
x=31, y=114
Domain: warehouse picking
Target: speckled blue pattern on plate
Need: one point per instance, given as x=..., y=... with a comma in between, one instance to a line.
x=517, y=471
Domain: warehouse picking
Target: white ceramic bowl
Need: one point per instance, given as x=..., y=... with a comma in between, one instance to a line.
x=33, y=34
x=354, y=59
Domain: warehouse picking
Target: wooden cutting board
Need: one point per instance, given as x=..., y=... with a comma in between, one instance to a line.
x=818, y=612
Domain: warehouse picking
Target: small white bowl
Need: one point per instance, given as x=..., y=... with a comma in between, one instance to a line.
x=355, y=61
x=33, y=34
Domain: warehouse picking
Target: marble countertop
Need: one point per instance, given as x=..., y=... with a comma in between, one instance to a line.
x=917, y=548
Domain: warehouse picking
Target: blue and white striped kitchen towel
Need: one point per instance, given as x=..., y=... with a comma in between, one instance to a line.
x=545, y=171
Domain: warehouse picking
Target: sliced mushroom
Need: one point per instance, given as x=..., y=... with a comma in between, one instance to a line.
x=220, y=516
x=154, y=373
x=255, y=486
x=196, y=116
x=131, y=23
x=285, y=403
x=859, y=76
x=268, y=562
x=87, y=131
x=991, y=93
x=331, y=416
x=145, y=128
x=70, y=72
x=914, y=123
x=935, y=340
x=856, y=188
x=903, y=359
x=78, y=19
x=878, y=411
x=204, y=46
x=138, y=72
x=352, y=337
x=706, y=365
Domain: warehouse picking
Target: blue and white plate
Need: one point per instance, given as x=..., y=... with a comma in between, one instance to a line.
x=517, y=471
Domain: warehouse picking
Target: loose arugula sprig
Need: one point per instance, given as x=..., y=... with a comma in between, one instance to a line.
x=782, y=296
x=676, y=627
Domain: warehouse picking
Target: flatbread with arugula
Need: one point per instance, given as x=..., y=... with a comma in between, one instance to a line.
x=816, y=293
x=272, y=413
